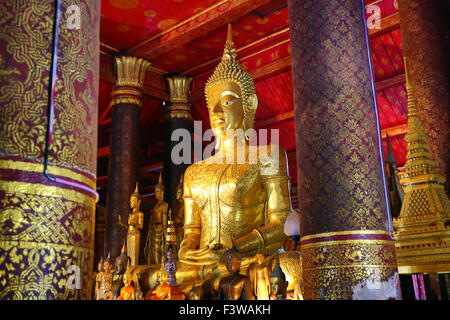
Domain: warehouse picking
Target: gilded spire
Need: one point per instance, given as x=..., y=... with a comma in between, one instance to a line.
x=421, y=230
x=419, y=166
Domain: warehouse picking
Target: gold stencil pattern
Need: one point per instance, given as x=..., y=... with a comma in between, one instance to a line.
x=331, y=270
x=25, y=58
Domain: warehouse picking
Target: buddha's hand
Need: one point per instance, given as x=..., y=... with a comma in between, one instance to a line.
x=203, y=255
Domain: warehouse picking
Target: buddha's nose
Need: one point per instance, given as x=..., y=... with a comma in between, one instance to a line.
x=217, y=108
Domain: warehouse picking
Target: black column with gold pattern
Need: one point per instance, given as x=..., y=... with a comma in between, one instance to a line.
x=123, y=166
x=47, y=224
x=178, y=116
x=347, y=252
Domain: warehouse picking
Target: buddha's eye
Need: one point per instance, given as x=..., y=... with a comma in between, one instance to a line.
x=228, y=102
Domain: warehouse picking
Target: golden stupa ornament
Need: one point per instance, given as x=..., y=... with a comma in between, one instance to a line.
x=422, y=230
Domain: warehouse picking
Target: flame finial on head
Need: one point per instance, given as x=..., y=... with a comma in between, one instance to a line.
x=160, y=184
x=229, y=52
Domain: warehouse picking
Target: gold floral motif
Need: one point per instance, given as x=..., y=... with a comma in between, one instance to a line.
x=41, y=235
x=331, y=270
x=27, y=38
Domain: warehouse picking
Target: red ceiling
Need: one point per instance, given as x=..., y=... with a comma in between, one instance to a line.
x=260, y=41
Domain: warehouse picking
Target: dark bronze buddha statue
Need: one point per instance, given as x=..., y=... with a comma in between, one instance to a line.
x=235, y=286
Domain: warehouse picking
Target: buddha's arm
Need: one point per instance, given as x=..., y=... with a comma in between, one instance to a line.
x=192, y=223
x=276, y=184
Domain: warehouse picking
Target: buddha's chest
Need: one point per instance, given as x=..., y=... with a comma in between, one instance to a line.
x=231, y=185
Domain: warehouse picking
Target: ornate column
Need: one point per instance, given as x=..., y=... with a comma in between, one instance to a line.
x=178, y=116
x=346, y=248
x=123, y=167
x=424, y=29
x=47, y=221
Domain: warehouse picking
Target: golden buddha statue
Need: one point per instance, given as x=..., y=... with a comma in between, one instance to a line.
x=134, y=226
x=259, y=275
x=98, y=279
x=240, y=202
x=155, y=245
x=236, y=286
x=178, y=215
x=106, y=280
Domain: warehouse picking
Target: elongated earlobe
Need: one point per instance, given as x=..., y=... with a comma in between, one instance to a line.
x=249, y=112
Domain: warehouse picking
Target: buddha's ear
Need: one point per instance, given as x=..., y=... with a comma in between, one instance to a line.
x=252, y=102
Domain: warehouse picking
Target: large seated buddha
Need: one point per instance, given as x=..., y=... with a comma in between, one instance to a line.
x=241, y=202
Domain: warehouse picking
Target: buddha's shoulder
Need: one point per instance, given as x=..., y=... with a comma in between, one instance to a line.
x=196, y=170
x=271, y=153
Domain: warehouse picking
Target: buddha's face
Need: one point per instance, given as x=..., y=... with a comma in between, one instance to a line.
x=120, y=266
x=260, y=258
x=277, y=286
x=126, y=279
x=225, y=107
x=159, y=193
x=179, y=193
x=134, y=202
x=233, y=263
x=107, y=265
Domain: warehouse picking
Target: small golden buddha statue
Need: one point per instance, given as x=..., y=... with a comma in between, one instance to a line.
x=278, y=283
x=128, y=292
x=155, y=245
x=178, y=216
x=134, y=226
x=236, y=286
x=98, y=279
x=106, y=280
x=259, y=275
x=240, y=199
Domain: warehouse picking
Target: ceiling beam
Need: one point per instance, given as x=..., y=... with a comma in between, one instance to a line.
x=395, y=131
x=391, y=82
x=194, y=27
x=279, y=118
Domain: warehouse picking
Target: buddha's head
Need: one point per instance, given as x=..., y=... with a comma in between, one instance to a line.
x=230, y=94
x=107, y=265
x=135, y=199
x=277, y=279
x=122, y=261
x=233, y=260
x=100, y=265
x=159, y=189
x=179, y=193
x=259, y=258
